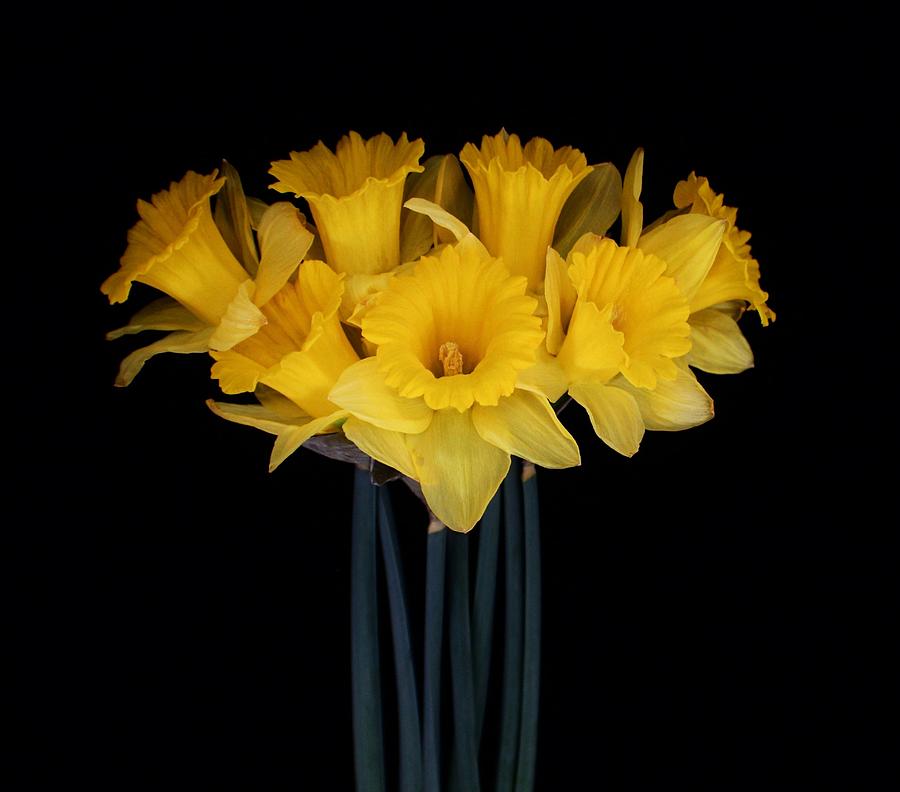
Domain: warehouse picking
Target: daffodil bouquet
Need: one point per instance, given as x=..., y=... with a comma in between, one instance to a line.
x=431, y=330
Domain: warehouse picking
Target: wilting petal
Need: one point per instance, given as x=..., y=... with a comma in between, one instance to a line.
x=386, y=446
x=361, y=391
x=181, y=342
x=718, y=347
x=525, y=425
x=614, y=414
x=632, y=208
x=284, y=241
x=161, y=314
x=592, y=207
x=688, y=244
x=459, y=471
x=674, y=404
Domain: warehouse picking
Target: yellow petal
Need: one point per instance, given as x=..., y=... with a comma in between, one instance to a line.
x=291, y=439
x=674, y=404
x=302, y=349
x=307, y=375
x=525, y=425
x=439, y=216
x=443, y=184
x=593, y=347
x=181, y=342
x=454, y=194
x=361, y=391
x=614, y=414
x=284, y=241
x=546, y=377
x=360, y=294
x=585, y=244
x=560, y=295
x=241, y=320
x=233, y=220
x=236, y=373
x=459, y=471
x=290, y=433
x=386, y=446
x=648, y=308
x=592, y=207
x=632, y=208
x=718, y=346
x=161, y=314
x=272, y=400
x=688, y=244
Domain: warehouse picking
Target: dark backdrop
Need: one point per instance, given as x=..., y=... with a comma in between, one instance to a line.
x=718, y=611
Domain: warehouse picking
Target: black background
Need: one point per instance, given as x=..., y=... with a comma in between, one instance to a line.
x=719, y=611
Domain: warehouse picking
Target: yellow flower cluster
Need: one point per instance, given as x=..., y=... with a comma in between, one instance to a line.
x=436, y=349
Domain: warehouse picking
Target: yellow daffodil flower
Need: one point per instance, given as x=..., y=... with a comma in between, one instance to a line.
x=299, y=353
x=355, y=194
x=718, y=294
x=519, y=193
x=734, y=274
x=440, y=401
x=617, y=324
x=177, y=248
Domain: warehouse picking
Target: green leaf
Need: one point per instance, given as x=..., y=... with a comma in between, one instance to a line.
x=592, y=207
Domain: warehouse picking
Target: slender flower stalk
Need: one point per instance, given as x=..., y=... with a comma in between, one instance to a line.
x=435, y=566
x=531, y=663
x=368, y=741
x=464, y=771
x=511, y=703
x=483, y=608
x=410, y=779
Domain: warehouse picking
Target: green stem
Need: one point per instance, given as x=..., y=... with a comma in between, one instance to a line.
x=511, y=701
x=464, y=774
x=368, y=748
x=483, y=610
x=410, y=778
x=531, y=665
x=434, y=631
